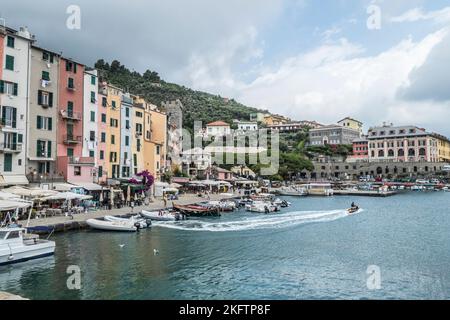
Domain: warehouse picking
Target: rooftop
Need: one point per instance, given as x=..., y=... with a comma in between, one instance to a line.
x=218, y=124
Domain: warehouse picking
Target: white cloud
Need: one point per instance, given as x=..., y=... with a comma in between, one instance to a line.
x=337, y=80
x=417, y=14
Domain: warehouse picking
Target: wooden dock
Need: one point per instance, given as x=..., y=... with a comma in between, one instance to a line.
x=364, y=193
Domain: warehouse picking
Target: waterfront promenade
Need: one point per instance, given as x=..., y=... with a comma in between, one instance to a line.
x=63, y=223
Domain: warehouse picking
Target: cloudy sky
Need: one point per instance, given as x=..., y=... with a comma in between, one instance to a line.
x=315, y=60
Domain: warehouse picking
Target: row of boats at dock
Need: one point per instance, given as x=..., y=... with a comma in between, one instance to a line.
x=262, y=203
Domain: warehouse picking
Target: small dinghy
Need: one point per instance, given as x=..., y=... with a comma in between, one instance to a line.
x=162, y=215
x=143, y=223
x=125, y=226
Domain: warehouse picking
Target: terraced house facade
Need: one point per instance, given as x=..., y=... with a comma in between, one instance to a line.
x=43, y=115
x=14, y=76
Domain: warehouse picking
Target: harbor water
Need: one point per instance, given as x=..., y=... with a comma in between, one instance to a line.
x=312, y=250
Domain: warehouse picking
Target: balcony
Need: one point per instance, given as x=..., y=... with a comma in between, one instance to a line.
x=71, y=139
x=10, y=147
x=80, y=161
x=70, y=115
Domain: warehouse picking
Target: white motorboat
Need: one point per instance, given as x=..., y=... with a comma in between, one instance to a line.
x=17, y=246
x=224, y=205
x=282, y=203
x=262, y=207
x=143, y=223
x=162, y=215
x=126, y=226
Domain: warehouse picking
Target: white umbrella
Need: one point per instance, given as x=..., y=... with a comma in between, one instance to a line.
x=111, y=196
x=7, y=196
x=128, y=193
x=100, y=199
x=67, y=196
x=136, y=197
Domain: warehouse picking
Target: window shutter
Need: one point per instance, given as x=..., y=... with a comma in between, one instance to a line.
x=40, y=97
x=67, y=66
x=50, y=99
x=14, y=121
x=16, y=89
x=50, y=124
x=20, y=138
x=3, y=115
x=2, y=86
x=38, y=149
x=39, y=122
x=74, y=68
x=14, y=136
x=51, y=57
x=49, y=149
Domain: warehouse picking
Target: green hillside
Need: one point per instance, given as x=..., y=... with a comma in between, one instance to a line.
x=198, y=105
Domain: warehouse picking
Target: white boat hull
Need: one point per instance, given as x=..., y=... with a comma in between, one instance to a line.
x=15, y=254
x=154, y=215
x=133, y=220
x=111, y=225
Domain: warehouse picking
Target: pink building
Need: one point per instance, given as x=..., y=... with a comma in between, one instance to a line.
x=102, y=165
x=70, y=162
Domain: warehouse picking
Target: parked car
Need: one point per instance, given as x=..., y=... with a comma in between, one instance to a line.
x=422, y=181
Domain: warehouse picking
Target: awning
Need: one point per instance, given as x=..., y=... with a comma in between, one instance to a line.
x=68, y=196
x=89, y=186
x=8, y=196
x=63, y=186
x=7, y=205
x=13, y=180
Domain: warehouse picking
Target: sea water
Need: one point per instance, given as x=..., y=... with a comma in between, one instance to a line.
x=312, y=250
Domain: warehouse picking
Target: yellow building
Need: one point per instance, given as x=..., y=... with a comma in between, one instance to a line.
x=154, y=139
x=114, y=95
x=351, y=123
x=274, y=119
x=137, y=141
x=443, y=144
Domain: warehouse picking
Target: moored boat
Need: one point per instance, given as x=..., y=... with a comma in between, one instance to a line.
x=198, y=211
x=125, y=226
x=18, y=246
x=262, y=207
x=143, y=223
x=162, y=215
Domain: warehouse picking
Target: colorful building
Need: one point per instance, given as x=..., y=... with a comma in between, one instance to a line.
x=14, y=79
x=218, y=128
x=443, y=144
x=70, y=161
x=155, y=139
x=126, y=125
x=114, y=99
x=349, y=122
x=90, y=111
x=137, y=134
x=402, y=144
x=43, y=116
x=102, y=129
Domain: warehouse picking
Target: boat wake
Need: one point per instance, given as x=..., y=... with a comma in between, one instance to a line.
x=277, y=221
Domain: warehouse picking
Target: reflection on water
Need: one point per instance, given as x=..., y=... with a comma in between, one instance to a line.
x=312, y=250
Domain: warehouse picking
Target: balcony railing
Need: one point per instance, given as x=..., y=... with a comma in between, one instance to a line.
x=67, y=114
x=11, y=147
x=82, y=160
x=71, y=139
